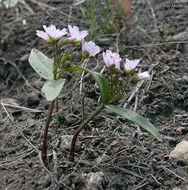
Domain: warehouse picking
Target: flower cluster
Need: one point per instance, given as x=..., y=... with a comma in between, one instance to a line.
x=111, y=87
x=53, y=34
x=113, y=59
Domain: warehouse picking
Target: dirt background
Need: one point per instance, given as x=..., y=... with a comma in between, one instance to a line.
x=111, y=153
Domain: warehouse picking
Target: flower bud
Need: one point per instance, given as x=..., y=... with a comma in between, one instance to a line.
x=130, y=65
x=141, y=76
x=85, y=54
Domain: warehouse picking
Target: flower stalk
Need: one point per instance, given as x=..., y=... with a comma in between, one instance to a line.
x=82, y=126
x=44, y=146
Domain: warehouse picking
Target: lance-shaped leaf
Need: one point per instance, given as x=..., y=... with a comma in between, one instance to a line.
x=10, y=3
x=100, y=80
x=79, y=2
x=134, y=117
x=52, y=88
x=102, y=84
x=41, y=64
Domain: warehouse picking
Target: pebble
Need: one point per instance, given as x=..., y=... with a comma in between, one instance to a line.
x=44, y=181
x=66, y=142
x=94, y=181
x=180, y=152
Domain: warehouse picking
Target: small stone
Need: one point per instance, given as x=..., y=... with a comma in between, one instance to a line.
x=66, y=142
x=45, y=181
x=180, y=152
x=94, y=181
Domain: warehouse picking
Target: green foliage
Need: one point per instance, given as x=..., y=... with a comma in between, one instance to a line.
x=80, y=2
x=56, y=118
x=165, y=32
x=103, y=86
x=9, y=3
x=100, y=80
x=41, y=64
x=138, y=119
x=101, y=27
x=90, y=12
x=44, y=67
x=52, y=88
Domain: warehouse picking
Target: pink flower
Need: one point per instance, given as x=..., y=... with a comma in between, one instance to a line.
x=144, y=76
x=42, y=35
x=51, y=32
x=131, y=64
x=90, y=47
x=112, y=59
x=76, y=34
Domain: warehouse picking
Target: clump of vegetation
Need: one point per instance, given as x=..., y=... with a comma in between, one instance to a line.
x=111, y=88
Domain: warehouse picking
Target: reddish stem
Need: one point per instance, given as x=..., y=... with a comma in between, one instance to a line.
x=82, y=126
x=44, y=146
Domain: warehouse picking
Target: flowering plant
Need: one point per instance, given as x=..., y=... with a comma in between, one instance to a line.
x=111, y=89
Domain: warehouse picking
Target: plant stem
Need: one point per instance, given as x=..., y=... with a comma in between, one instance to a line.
x=82, y=126
x=1, y=24
x=56, y=104
x=126, y=83
x=44, y=146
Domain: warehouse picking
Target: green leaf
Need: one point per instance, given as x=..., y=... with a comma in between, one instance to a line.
x=52, y=88
x=138, y=119
x=10, y=3
x=41, y=64
x=103, y=86
x=79, y=2
x=102, y=40
x=100, y=80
